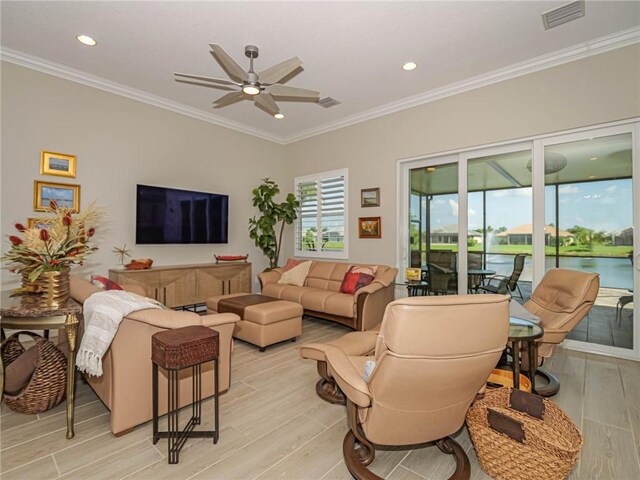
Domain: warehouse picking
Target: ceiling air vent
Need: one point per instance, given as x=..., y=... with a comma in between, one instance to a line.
x=563, y=14
x=328, y=102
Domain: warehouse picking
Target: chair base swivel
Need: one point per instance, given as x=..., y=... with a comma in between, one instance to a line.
x=552, y=386
x=358, y=451
x=327, y=388
x=357, y=456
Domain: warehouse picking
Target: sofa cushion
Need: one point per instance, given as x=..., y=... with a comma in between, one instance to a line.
x=104, y=283
x=333, y=303
x=292, y=263
x=341, y=304
x=297, y=275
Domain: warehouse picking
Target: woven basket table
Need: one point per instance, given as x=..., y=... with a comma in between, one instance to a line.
x=174, y=350
x=549, y=449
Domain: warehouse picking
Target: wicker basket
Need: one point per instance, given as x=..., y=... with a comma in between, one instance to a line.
x=549, y=450
x=47, y=386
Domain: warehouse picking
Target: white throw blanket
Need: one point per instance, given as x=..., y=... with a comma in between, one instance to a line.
x=103, y=312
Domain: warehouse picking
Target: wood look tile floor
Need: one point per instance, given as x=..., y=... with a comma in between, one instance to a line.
x=275, y=427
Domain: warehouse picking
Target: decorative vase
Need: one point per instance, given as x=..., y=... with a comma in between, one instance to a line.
x=52, y=286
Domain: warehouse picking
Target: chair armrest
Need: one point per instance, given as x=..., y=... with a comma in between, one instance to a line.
x=168, y=319
x=216, y=319
x=348, y=377
x=372, y=287
x=500, y=278
x=272, y=276
x=137, y=289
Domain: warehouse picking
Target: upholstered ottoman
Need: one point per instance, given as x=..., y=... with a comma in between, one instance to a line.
x=264, y=320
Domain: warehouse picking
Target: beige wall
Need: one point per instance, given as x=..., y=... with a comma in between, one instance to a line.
x=595, y=90
x=119, y=143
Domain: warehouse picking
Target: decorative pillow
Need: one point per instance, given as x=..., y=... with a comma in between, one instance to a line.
x=354, y=279
x=291, y=263
x=297, y=275
x=104, y=283
x=368, y=269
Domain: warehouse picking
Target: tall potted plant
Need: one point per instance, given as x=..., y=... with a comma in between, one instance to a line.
x=262, y=230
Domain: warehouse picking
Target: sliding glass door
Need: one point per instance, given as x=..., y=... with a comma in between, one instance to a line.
x=556, y=201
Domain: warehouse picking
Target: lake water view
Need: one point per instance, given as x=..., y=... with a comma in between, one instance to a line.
x=614, y=272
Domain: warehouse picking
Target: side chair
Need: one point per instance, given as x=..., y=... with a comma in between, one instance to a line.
x=432, y=356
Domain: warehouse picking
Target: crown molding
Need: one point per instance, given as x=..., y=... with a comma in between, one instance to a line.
x=62, y=71
x=576, y=52
x=583, y=50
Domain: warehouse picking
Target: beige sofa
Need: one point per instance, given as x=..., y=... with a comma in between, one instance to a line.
x=125, y=386
x=320, y=296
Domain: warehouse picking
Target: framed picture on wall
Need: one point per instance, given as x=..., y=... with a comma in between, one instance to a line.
x=37, y=223
x=369, y=227
x=370, y=197
x=59, y=164
x=65, y=195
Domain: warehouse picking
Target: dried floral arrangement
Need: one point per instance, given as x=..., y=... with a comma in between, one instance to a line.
x=55, y=243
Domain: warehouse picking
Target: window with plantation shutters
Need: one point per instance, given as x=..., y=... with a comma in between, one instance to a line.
x=321, y=228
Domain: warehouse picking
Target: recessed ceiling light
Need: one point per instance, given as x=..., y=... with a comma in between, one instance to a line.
x=86, y=39
x=251, y=90
x=279, y=116
x=591, y=177
x=593, y=158
x=431, y=169
x=410, y=66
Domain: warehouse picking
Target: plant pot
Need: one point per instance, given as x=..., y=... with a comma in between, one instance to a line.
x=52, y=286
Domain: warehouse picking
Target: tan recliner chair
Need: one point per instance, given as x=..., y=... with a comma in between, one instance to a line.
x=125, y=386
x=561, y=300
x=432, y=357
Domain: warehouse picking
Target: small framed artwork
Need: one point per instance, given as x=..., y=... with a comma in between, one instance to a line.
x=37, y=223
x=65, y=195
x=370, y=197
x=369, y=227
x=59, y=164
x=413, y=274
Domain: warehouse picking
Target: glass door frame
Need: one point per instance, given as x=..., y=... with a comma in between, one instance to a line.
x=539, y=221
x=537, y=144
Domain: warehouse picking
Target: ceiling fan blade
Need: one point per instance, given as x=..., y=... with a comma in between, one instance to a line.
x=208, y=85
x=286, y=91
x=230, y=66
x=267, y=103
x=228, y=99
x=221, y=81
x=279, y=71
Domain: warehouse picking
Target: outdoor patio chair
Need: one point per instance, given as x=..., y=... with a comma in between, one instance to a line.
x=502, y=284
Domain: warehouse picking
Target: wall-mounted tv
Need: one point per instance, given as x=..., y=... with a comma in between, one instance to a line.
x=169, y=215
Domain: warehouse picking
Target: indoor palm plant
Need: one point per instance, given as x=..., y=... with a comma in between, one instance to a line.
x=262, y=230
x=44, y=252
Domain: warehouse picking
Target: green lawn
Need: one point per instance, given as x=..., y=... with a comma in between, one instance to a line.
x=573, y=250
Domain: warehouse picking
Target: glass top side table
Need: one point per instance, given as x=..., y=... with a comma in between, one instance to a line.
x=24, y=312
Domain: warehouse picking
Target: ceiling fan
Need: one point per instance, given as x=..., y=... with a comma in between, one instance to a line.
x=260, y=87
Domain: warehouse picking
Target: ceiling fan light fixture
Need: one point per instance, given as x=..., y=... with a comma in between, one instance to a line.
x=86, y=40
x=409, y=66
x=250, y=90
x=279, y=116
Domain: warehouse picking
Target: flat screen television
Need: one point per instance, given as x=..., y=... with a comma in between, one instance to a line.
x=172, y=216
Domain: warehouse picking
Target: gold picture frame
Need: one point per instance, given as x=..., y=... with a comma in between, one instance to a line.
x=66, y=196
x=36, y=222
x=369, y=227
x=370, y=197
x=58, y=164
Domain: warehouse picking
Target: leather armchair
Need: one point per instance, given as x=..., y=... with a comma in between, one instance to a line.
x=125, y=386
x=561, y=300
x=432, y=356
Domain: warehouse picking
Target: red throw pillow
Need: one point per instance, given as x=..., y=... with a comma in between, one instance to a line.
x=292, y=263
x=353, y=281
x=104, y=283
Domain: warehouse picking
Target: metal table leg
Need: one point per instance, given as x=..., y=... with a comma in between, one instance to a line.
x=516, y=363
x=71, y=327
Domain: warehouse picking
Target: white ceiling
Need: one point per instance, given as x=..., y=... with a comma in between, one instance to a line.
x=352, y=51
